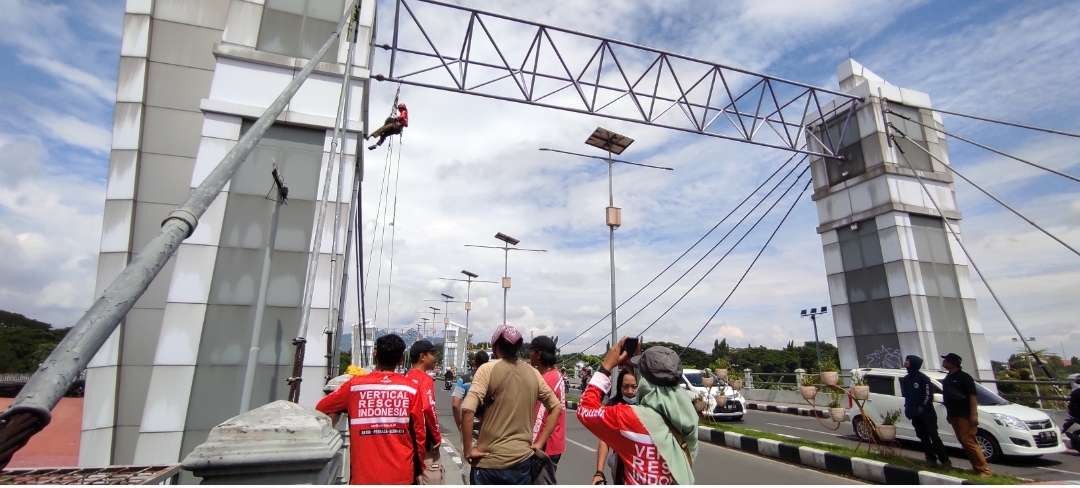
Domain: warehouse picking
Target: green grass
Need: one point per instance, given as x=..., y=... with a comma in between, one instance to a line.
x=996, y=479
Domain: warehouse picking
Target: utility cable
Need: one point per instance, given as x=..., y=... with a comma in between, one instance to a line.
x=978, y=272
x=718, y=261
x=988, y=148
x=763, y=199
x=393, y=230
x=687, y=251
x=984, y=191
x=750, y=266
x=1004, y=122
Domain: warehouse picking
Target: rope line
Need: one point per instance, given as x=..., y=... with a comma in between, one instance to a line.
x=393, y=230
x=751, y=265
x=984, y=191
x=382, y=236
x=687, y=251
x=988, y=148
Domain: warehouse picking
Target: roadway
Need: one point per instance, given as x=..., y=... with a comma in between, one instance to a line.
x=1054, y=467
x=714, y=464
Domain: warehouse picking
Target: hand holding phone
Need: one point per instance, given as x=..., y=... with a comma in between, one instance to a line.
x=630, y=346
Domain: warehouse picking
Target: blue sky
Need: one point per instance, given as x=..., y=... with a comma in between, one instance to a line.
x=470, y=167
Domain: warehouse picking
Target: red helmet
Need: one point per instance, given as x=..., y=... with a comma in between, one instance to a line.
x=401, y=106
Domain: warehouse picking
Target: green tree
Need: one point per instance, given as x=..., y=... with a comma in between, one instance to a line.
x=25, y=342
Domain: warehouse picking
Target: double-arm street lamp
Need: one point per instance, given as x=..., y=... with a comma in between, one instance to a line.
x=613, y=143
x=507, y=242
x=470, y=278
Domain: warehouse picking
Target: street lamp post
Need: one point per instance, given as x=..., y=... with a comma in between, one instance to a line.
x=1031, y=367
x=612, y=143
x=507, y=242
x=813, y=313
x=470, y=278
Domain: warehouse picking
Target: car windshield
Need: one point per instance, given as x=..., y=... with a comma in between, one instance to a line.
x=695, y=379
x=986, y=397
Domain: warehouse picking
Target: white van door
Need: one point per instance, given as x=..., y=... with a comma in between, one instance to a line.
x=885, y=396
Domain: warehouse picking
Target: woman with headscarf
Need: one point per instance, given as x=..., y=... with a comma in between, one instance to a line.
x=656, y=439
x=627, y=395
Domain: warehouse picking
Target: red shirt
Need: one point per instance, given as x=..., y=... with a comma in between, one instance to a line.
x=556, y=444
x=431, y=416
x=386, y=427
x=403, y=116
x=621, y=429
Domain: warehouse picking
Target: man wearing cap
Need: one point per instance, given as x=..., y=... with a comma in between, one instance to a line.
x=656, y=439
x=422, y=358
x=543, y=356
x=386, y=419
x=509, y=388
x=962, y=410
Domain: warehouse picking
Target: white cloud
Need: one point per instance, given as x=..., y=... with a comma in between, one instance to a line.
x=74, y=131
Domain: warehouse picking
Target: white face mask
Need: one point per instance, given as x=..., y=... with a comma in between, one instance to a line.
x=631, y=400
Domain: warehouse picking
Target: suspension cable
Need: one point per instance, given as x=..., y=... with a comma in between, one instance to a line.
x=985, y=192
x=750, y=266
x=1005, y=122
x=988, y=148
x=718, y=261
x=723, y=238
x=978, y=272
x=687, y=251
x=383, y=184
x=393, y=231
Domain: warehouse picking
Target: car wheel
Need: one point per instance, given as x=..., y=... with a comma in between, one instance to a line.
x=989, y=446
x=862, y=428
x=739, y=418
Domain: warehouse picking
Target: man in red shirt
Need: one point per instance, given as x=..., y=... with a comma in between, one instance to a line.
x=386, y=419
x=542, y=355
x=392, y=127
x=422, y=358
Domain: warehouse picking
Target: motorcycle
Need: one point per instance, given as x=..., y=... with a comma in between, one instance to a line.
x=1074, y=439
x=447, y=384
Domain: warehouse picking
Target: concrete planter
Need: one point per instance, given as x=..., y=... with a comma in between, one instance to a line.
x=830, y=378
x=722, y=374
x=838, y=414
x=708, y=381
x=860, y=392
x=736, y=384
x=721, y=400
x=808, y=392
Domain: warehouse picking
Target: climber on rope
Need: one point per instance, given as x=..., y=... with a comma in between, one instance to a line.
x=393, y=126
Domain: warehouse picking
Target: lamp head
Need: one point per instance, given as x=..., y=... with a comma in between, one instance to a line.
x=507, y=239
x=470, y=274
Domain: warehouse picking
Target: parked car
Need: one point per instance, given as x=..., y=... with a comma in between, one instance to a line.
x=732, y=409
x=1005, y=428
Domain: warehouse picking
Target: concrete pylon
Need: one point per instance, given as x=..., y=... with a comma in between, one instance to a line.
x=898, y=281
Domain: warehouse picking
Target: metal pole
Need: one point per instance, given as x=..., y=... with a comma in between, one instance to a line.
x=468, y=307
x=1038, y=396
x=505, y=272
x=611, y=249
x=260, y=302
x=30, y=411
x=334, y=335
x=817, y=342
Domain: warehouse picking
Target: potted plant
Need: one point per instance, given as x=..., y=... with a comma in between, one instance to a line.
x=735, y=380
x=830, y=374
x=886, y=432
x=699, y=403
x=721, y=399
x=835, y=410
x=859, y=389
x=708, y=380
x=721, y=369
x=808, y=388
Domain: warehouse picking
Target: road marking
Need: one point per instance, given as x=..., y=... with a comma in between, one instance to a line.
x=767, y=459
x=583, y=446
x=808, y=430
x=1058, y=470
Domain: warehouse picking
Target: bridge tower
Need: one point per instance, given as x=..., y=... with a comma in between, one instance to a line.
x=193, y=76
x=898, y=281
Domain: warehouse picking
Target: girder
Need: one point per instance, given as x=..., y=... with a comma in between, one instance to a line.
x=505, y=58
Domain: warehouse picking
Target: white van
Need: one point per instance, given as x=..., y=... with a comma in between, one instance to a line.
x=1005, y=428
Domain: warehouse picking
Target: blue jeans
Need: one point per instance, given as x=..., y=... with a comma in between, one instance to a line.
x=518, y=474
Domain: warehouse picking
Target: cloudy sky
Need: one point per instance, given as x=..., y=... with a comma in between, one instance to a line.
x=470, y=168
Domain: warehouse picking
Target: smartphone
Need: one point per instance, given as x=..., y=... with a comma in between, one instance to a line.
x=630, y=345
